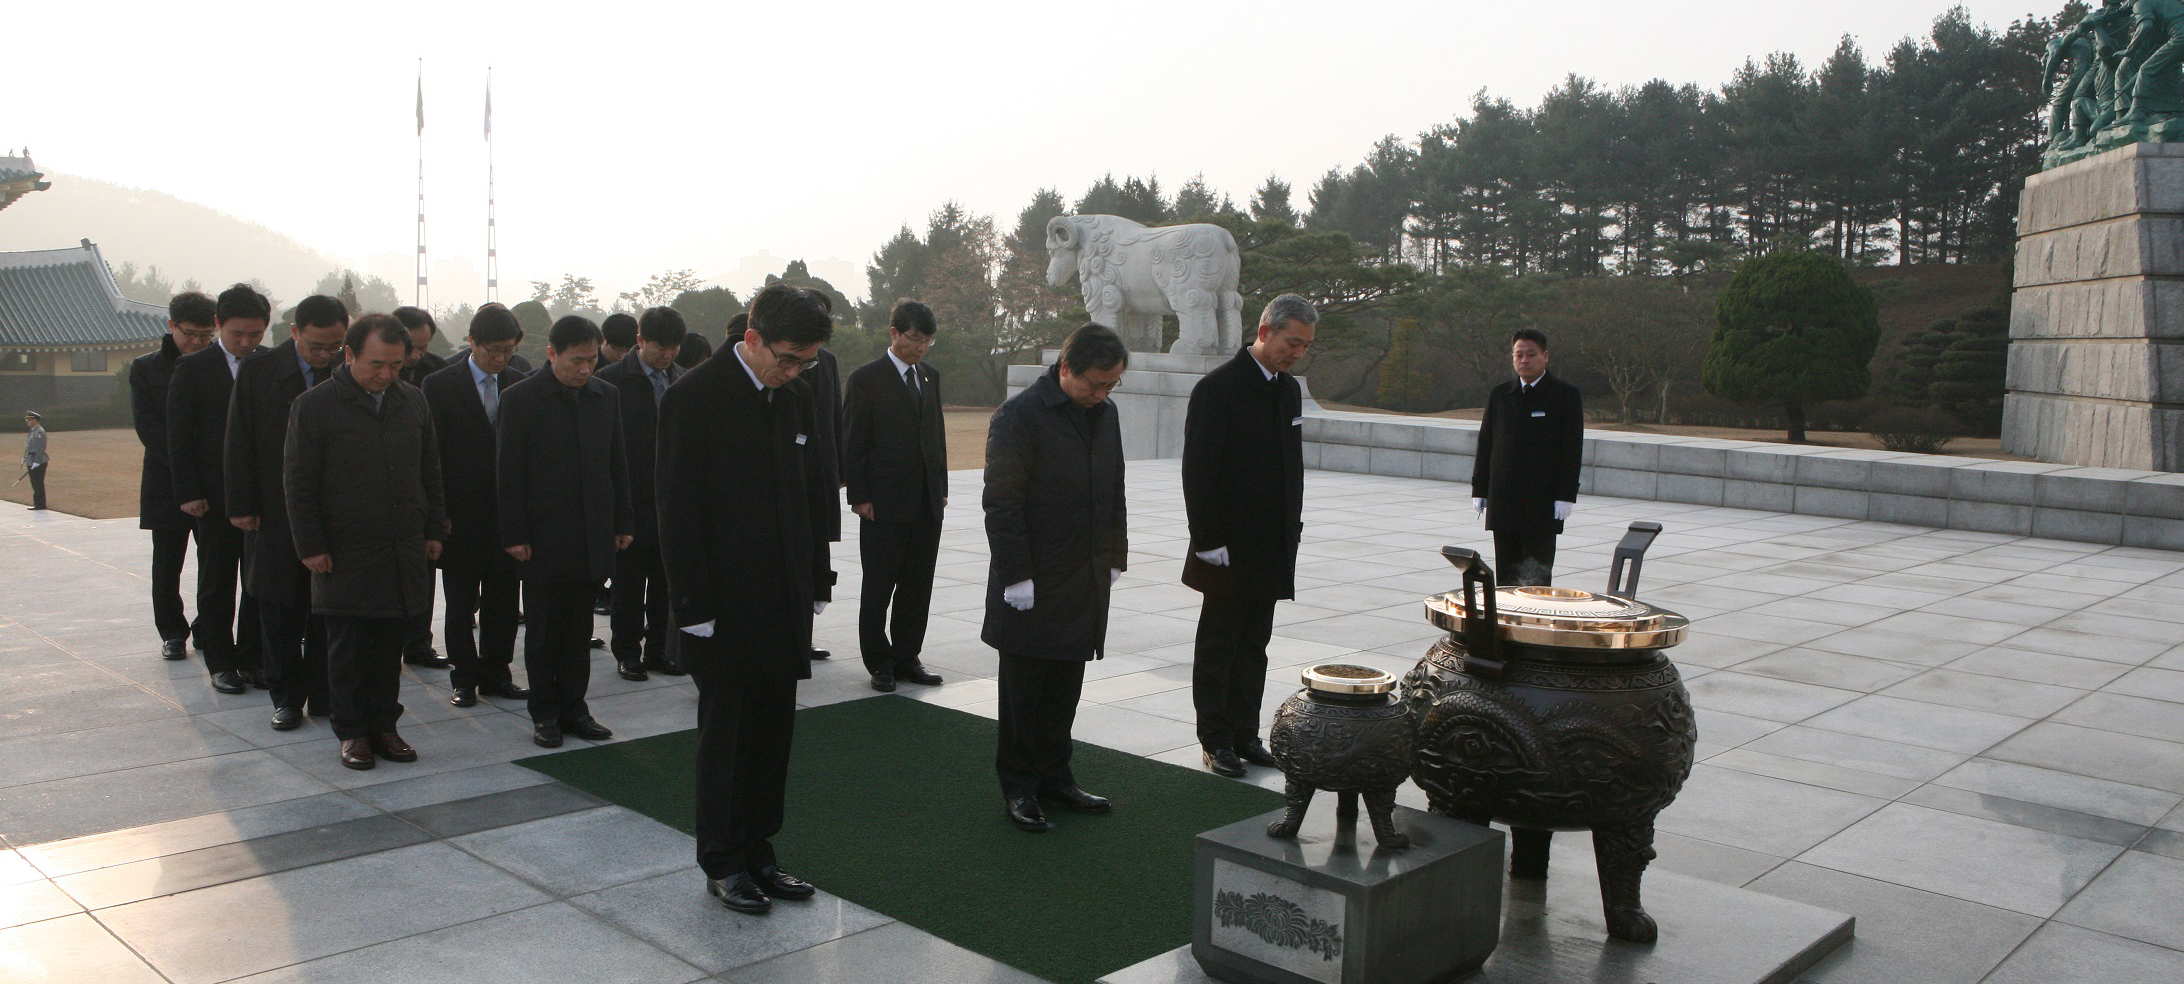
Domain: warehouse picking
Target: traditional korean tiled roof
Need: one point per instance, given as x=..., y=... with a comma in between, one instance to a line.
x=19, y=177
x=66, y=299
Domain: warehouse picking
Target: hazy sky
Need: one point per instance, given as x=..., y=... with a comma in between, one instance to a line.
x=633, y=136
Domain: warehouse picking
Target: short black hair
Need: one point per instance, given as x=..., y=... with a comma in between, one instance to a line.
x=414, y=318
x=495, y=323
x=786, y=313
x=242, y=301
x=1094, y=346
x=192, y=307
x=1533, y=335
x=737, y=326
x=571, y=331
x=319, y=310
x=912, y=317
x=385, y=327
x=619, y=330
x=662, y=326
x=695, y=349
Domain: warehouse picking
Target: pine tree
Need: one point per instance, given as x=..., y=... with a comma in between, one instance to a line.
x=1792, y=329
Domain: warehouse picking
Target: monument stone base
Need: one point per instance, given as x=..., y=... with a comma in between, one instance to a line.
x=1331, y=906
x=1552, y=933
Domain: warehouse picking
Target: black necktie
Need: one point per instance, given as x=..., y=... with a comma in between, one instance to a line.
x=910, y=376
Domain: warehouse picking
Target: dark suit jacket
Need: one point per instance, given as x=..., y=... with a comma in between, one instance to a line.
x=564, y=477
x=363, y=484
x=640, y=429
x=149, y=379
x=1054, y=514
x=427, y=364
x=469, y=469
x=197, y=412
x=1243, y=478
x=894, y=449
x=257, y=439
x=1530, y=448
x=753, y=568
x=825, y=380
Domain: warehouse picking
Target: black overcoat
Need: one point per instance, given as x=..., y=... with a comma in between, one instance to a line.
x=364, y=486
x=197, y=412
x=640, y=431
x=742, y=485
x=150, y=376
x=427, y=364
x=825, y=380
x=1530, y=448
x=257, y=440
x=1054, y=515
x=564, y=477
x=1243, y=478
x=894, y=447
x=469, y=467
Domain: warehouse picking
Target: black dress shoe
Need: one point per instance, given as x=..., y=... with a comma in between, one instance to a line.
x=630, y=669
x=779, y=884
x=587, y=729
x=1256, y=754
x=1223, y=762
x=917, y=673
x=664, y=667
x=739, y=892
x=883, y=682
x=598, y=643
x=356, y=753
x=505, y=691
x=1025, y=813
x=428, y=658
x=255, y=678
x=287, y=718
x=546, y=734
x=228, y=682
x=174, y=649
x=1073, y=798
x=818, y=654
x=464, y=697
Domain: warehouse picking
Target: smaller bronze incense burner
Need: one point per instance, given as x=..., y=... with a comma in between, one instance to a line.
x=1345, y=733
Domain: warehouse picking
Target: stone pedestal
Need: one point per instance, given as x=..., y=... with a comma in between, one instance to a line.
x=2096, y=365
x=1152, y=400
x=1328, y=909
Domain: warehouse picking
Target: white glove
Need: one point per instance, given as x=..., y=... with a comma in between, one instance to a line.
x=1018, y=596
x=703, y=630
x=1217, y=556
x=1480, y=505
x=1113, y=574
x=818, y=607
x=1562, y=510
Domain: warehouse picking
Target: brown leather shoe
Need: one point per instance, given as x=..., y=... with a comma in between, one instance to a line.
x=391, y=747
x=356, y=753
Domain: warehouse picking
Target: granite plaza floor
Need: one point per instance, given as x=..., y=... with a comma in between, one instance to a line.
x=1973, y=743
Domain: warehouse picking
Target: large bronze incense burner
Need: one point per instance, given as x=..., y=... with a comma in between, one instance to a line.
x=1555, y=709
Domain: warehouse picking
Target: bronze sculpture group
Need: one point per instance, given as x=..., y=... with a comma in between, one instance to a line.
x=2122, y=79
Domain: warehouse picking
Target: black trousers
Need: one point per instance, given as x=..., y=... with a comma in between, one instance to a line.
x=557, y=624
x=417, y=630
x=364, y=674
x=1524, y=556
x=1038, y=706
x=744, y=734
x=490, y=602
x=1228, y=667
x=227, y=631
x=37, y=486
x=170, y=548
x=642, y=617
x=296, y=646
x=898, y=572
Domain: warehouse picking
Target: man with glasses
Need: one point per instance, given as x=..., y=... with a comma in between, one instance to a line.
x=643, y=638
x=478, y=578
x=197, y=414
x=895, y=459
x=742, y=486
x=189, y=330
x=294, y=639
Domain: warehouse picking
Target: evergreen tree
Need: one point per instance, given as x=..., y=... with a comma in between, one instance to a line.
x=1792, y=329
x=1271, y=202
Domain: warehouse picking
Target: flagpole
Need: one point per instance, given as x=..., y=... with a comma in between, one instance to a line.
x=492, y=233
x=421, y=295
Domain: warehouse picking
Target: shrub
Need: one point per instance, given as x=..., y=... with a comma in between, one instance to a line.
x=1918, y=430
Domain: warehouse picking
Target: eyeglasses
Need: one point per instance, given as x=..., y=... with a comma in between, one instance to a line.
x=198, y=336
x=789, y=363
x=915, y=340
x=317, y=349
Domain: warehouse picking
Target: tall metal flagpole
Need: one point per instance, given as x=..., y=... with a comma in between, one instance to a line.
x=422, y=296
x=492, y=234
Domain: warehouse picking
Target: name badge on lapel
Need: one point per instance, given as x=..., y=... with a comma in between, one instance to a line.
x=800, y=438
x=1535, y=413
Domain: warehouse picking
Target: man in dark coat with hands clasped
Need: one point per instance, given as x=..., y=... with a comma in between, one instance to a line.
x=895, y=459
x=644, y=633
x=197, y=413
x=1524, y=480
x=742, y=489
x=189, y=330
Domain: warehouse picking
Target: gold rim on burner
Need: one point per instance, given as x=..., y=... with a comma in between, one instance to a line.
x=1567, y=618
x=1348, y=678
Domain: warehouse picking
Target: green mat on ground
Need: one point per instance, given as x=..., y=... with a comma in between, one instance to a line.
x=893, y=805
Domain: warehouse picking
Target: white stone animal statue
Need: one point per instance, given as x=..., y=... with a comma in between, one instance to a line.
x=1133, y=275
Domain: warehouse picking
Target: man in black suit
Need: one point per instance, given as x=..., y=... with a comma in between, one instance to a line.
x=564, y=511
x=1058, y=538
x=417, y=639
x=741, y=489
x=1243, y=489
x=257, y=439
x=643, y=636
x=479, y=578
x=895, y=459
x=190, y=322
x=197, y=413
x=1524, y=480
